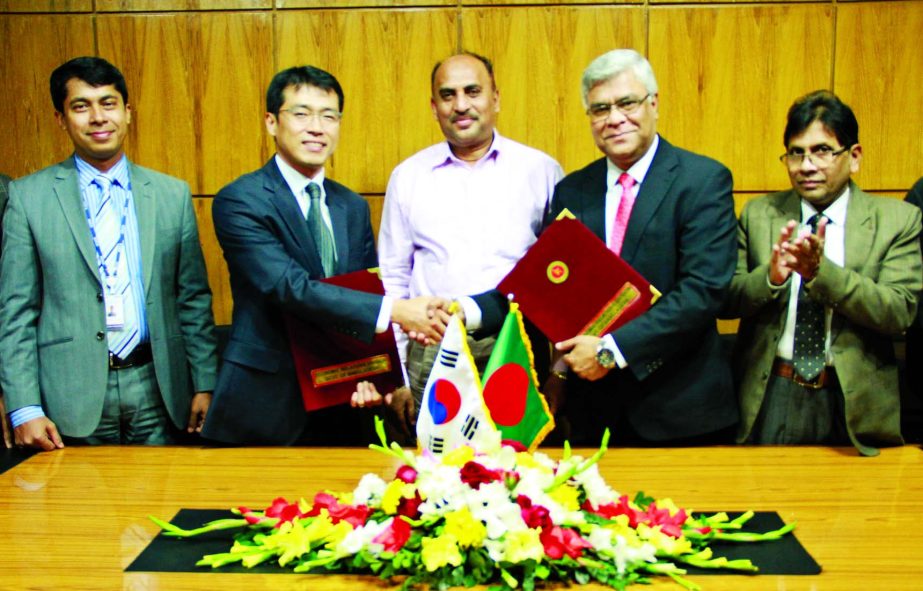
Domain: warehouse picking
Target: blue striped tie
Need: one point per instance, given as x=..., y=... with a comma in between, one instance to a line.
x=109, y=228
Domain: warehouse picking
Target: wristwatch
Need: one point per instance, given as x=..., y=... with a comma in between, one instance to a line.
x=605, y=356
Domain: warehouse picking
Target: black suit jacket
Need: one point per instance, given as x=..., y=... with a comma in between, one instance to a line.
x=681, y=237
x=275, y=268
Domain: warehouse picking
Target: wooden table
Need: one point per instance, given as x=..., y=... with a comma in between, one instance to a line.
x=75, y=518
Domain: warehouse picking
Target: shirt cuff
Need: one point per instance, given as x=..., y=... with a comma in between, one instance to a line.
x=609, y=343
x=473, y=318
x=25, y=414
x=384, y=315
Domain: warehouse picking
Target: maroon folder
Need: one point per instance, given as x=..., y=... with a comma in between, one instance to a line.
x=329, y=363
x=570, y=283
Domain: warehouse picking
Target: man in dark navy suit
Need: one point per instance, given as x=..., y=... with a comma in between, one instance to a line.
x=283, y=228
x=661, y=379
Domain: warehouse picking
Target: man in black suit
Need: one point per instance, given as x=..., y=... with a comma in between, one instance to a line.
x=661, y=379
x=282, y=228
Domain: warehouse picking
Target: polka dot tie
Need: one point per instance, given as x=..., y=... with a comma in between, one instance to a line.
x=810, y=332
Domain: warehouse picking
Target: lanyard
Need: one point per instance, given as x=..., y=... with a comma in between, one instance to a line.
x=110, y=279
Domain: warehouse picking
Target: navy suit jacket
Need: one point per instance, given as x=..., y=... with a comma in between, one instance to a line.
x=681, y=238
x=274, y=268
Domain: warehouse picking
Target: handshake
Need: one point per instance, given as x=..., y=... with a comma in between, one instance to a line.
x=423, y=318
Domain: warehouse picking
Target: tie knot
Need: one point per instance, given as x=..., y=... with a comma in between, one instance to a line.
x=313, y=190
x=814, y=220
x=103, y=182
x=626, y=181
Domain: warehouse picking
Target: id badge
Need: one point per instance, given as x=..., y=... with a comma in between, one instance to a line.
x=115, y=311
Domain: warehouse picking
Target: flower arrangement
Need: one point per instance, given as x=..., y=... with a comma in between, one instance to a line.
x=501, y=516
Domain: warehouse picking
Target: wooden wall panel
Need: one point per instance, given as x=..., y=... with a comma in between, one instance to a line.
x=218, y=278
x=385, y=79
x=179, y=5
x=196, y=84
x=879, y=73
x=743, y=67
x=539, y=81
x=361, y=3
x=33, y=46
x=46, y=6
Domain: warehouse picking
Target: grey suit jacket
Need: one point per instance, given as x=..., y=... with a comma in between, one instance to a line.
x=874, y=298
x=53, y=347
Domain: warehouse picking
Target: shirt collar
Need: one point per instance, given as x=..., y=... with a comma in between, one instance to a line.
x=638, y=170
x=297, y=181
x=835, y=212
x=118, y=174
x=444, y=155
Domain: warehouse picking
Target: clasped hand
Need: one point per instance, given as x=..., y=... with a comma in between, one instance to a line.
x=423, y=318
x=799, y=252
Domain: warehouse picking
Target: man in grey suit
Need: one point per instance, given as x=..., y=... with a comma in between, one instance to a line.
x=106, y=329
x=820, y=301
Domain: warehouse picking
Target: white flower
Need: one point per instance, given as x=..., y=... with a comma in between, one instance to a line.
x=492, y=505
x=369, y=491
x=597, y=491
x=362, y=537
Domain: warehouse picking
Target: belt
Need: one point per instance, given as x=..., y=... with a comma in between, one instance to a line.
x=785, y=369
x=140, y=355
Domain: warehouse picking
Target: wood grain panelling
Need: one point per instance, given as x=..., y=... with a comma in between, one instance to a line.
x=385, y=77
x=46, y=5
x=539, y=81
x=543, y=2
x=179, y=5
x=879, y=68
x=361, y=3
x=742, y=68
x=195, y=83
x=33, y=46
x=218, y=278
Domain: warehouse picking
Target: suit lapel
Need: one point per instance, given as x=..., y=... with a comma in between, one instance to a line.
x=860, y=229
x=654, y=189
x=286, y=206
x=789, y=209
x=592, y=207
x=338, y=220
x=68, y=195
x=142, y=193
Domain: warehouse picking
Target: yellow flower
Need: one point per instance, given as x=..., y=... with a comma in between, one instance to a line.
x=466, y=529
x=666, y=545
x=567, y=496
x=459, y=456
x=523, y=545
x=438, y=552
x=394, y=492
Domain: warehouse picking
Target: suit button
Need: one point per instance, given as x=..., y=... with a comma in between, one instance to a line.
x=100, y=335
x=99, y=297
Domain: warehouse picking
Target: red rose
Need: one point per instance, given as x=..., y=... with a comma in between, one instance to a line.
x=406, y=474
x=535, y=516
x=353, y=514
x=394, y=536
x=410, y=507
x=559, y=541
x=474, y=475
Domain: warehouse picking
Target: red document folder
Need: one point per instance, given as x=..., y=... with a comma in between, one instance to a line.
x=570, y=283
x=329, y=363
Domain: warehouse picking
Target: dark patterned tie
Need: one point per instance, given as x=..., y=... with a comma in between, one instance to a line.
x=323, y=239
x=809, y=356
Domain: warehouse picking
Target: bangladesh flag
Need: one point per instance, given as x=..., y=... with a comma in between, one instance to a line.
x=511, y=393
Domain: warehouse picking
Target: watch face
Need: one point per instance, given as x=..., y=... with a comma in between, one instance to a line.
x=605, y=358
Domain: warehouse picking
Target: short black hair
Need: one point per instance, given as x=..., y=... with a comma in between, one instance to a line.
x=95, y=71
x=487, y=64
x=826, y=107
x=299, y=76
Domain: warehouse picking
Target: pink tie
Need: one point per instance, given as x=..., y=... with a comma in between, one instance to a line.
x=620, y=225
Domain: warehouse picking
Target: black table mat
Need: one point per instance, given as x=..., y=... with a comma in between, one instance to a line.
x=782, y=557
x=9, y=458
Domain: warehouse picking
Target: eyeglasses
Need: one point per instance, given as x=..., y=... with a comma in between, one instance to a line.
x=820, y=156
x=626, y=106
x=303, y=116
